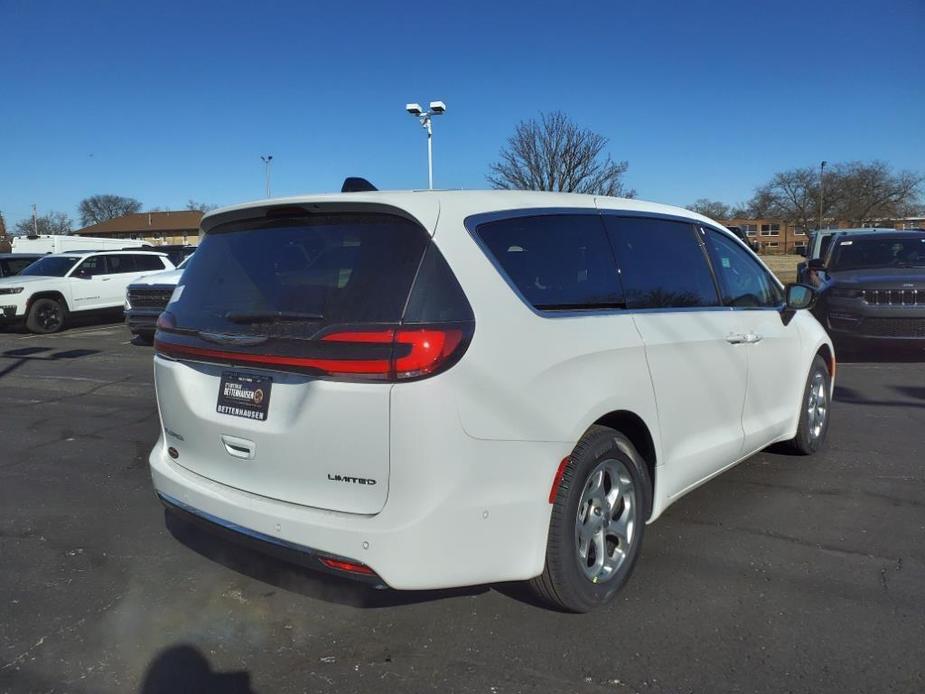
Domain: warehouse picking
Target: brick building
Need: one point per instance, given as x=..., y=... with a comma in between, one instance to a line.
x=157, y=228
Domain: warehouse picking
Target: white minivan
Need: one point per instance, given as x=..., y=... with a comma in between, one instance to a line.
x=435, y=389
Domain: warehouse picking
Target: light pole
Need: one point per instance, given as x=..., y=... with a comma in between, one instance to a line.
x=267, y=160
x=437, y=108
x=821, y=191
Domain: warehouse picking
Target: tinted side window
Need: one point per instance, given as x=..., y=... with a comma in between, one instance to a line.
x=557, y=262
x=120, y=263
x=145, y=263
x=744, y=282
x=92, y=266
x=662, y=263
x=16, y=265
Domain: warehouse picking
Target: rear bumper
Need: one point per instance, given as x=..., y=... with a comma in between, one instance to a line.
x=486, y=522
x=290, y=552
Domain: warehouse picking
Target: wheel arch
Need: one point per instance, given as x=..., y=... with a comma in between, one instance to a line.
x=825, y=351
x=49, y=294
x=638, y=432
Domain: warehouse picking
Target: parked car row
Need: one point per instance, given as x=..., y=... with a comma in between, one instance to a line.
x=55, y=286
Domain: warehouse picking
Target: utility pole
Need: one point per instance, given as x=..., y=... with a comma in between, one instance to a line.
x=35, y=222
x=821, y=191
x=267, y=162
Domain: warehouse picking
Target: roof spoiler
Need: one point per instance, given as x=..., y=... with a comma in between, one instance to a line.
x=354, y=184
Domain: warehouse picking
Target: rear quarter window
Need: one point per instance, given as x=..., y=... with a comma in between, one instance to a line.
x=556, y=262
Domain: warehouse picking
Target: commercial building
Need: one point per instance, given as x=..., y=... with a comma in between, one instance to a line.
x=777, y=236
x=157, y=228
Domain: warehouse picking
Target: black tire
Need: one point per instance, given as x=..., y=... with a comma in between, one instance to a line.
x=810, y=434
x=143, y=338
x=566, y=582
x=46, y=316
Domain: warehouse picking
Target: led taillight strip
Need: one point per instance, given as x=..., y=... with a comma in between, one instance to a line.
x=332, y=366
x=427, y=348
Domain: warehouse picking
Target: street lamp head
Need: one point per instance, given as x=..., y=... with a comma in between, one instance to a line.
x=437, y=107
x=414, y=109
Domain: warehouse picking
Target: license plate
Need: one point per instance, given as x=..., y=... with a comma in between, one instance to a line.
x=244, y=395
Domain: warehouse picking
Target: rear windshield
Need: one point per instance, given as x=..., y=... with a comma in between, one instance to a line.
x=51, y=266
x=293, y=277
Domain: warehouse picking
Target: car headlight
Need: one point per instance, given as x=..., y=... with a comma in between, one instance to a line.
x=844, y=293
x=11, y=290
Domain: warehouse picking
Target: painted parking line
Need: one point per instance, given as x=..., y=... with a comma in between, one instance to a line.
x=75, y=333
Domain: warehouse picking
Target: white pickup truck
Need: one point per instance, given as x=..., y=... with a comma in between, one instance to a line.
x=54, y=286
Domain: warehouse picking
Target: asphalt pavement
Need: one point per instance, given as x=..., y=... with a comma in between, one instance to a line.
x=785, y=574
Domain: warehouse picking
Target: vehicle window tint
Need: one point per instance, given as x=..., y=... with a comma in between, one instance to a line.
x=744, y=283
x=662, y=263
x=92, y=266
x=557, y=262
x=291, y=277
x=146, y=263
x=824, y=244
x=120, y=263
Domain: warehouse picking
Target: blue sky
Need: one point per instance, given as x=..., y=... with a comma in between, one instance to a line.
x=166, y=101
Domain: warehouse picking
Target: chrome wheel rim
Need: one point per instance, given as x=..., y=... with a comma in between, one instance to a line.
x=817, y=406
x=49, y=317
x=605, y=525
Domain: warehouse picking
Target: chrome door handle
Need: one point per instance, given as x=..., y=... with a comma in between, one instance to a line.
x=752, y=338
x=734, y=339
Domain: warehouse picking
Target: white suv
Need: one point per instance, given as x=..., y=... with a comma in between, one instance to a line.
x=56, y=285
x=435, y=389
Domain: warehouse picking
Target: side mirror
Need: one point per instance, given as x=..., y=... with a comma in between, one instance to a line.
x=800, y=296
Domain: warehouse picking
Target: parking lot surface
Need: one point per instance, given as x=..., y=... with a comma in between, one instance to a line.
x=785, y=574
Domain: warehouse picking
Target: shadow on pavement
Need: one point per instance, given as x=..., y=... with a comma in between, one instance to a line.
x=298, y=579
x=25, y=354
x=184, y=669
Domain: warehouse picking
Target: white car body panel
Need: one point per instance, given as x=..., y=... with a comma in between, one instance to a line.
x=464, y=461
x=99, y=292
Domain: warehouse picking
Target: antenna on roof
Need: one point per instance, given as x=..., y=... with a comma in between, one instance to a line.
x=354, y=184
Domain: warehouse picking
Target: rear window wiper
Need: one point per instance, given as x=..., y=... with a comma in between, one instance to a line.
x=270, y=316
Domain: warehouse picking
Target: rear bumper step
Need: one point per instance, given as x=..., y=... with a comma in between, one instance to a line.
x=287, y=551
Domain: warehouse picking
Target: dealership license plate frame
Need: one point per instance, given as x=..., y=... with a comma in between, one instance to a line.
x=245, y=395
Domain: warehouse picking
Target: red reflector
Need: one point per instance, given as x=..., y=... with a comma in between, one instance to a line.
x=557, y=480
x=347, y=566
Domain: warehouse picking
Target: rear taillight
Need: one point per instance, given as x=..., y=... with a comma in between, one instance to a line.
x=347, y=566
x=390, y=354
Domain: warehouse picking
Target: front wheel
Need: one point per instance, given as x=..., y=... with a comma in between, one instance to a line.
x=597, y=523
x=814, y=410
x=45, y=316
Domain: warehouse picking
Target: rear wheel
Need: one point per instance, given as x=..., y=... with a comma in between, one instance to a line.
x=814, y=410
x=597, y=523
x=45, y=316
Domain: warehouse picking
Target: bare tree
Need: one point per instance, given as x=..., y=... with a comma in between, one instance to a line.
x=99, y=208
x=197, y=206
x=51, y=223
x=791, y=195
x=554, y=154
x=2, y=225
x=714, y=209
x=867, y=192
